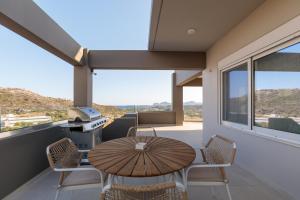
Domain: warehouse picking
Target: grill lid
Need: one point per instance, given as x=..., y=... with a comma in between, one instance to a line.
x=83, y=114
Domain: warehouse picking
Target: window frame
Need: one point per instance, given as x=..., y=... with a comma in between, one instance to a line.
x=281, y=135
x=276, y=48
x=292, y=139
x=228, y=123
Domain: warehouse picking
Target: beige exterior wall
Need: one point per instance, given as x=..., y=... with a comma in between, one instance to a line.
x=83, y=84
x=157, y=117
x=268, y=159
x=177, y=101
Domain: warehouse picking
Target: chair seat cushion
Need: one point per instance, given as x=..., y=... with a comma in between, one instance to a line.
x=205, y=175
x=82, y=178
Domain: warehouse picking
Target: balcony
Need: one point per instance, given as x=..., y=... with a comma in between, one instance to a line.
x=243, y=184
x=244, y=56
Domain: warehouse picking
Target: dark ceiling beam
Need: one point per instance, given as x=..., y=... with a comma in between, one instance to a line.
x=197, y=82
x=155, y=17
x=28, y=20
x=184, y=76
x=146, y=60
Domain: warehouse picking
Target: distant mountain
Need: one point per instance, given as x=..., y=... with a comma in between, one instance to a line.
x=192, y=103
x=21, y=101
x=188, y=103
x=162, y=104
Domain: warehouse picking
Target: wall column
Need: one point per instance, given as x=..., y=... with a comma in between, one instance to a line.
x=83, y=84
x=177, y=100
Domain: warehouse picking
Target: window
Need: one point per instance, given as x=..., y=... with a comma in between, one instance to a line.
x=235, y=94
x=277, y=90
x=262, y=95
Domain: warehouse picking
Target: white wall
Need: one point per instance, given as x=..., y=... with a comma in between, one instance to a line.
x=275, y=163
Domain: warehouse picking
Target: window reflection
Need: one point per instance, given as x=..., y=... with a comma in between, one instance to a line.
x=277, y=90
x=235, y=98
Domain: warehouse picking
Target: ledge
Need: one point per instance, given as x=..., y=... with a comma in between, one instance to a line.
x=28, y=130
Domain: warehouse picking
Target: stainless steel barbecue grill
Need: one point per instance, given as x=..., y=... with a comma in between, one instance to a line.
x=85, y=119
x=84, y=127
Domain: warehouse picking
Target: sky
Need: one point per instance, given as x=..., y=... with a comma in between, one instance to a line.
x=238, y=85
x=104, y=25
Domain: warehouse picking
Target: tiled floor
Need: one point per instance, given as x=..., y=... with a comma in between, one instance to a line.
x=243, y=185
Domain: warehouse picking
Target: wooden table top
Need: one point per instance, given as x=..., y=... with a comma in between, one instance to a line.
x=161, y=156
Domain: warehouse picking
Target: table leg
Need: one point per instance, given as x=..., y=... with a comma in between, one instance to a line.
x=184, y=181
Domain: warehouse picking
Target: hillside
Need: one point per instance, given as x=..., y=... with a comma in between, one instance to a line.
x=24, y=102
x=284, y=102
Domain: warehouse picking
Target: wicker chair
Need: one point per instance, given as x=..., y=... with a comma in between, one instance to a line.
x=218, y=154
x=64, y=157
x=138, y=131
x=161, y=191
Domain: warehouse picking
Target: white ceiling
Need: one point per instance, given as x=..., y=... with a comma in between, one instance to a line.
x=211, y=18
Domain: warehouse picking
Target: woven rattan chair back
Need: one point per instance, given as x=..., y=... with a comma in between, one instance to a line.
x=135, y=131
x=220, y=150
x=162, y=191
x=132, y=131
x=63, y=152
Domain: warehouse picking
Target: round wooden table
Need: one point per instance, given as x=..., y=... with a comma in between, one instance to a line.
x=161, y=156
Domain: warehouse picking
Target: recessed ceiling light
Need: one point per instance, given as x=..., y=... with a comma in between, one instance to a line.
x=191, y=31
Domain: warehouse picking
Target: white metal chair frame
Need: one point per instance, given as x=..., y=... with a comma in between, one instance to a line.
x=79, y=168
x=212, y=164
